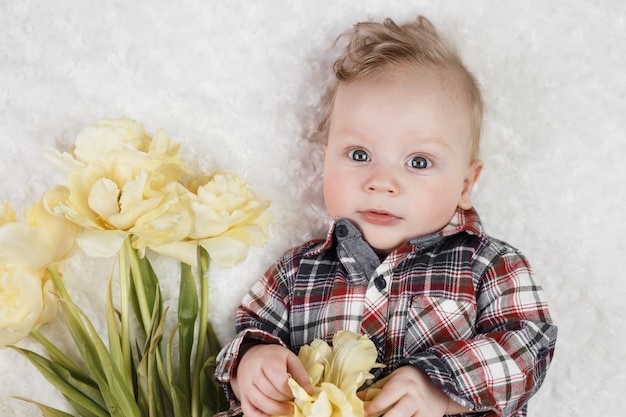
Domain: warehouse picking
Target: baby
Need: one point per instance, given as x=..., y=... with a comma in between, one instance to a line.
x=457, y=316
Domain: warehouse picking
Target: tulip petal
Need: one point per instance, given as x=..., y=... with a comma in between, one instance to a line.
x=7, y=213
x=109, y=135
x=20, y=247
x=206, y=222
x=55, y=233
x=101, y=243
x=225, y=251
x=127, y=219
x=321, y=407
x=104, y=198
x=132, y=192
x=355, y=355
x=50, y=304
x=21, y=304
x=183, y=251
x=63, y=161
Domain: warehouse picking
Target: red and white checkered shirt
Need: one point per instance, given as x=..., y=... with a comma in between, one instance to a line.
x=460, y=305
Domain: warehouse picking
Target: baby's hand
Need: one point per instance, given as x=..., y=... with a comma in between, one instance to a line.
x=261, y=380
x=407, y=391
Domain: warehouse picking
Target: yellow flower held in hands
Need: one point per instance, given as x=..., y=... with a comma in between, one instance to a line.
x=336, y=374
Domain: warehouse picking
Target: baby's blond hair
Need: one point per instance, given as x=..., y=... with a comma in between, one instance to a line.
x=376, y=48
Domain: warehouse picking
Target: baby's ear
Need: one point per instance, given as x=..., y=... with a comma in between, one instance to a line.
x=471, y=177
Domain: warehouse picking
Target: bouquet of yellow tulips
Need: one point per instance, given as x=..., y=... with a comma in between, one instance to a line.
x=126, y=194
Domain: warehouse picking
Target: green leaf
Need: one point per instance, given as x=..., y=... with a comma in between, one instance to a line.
x=45, y=410
x=59, y=357
x=115, y=338
x=80, y=394
x=148, y=382
x=115, y=390
x=213, y=398
x=213, y=344
x=178, y=398
x=114, y=387
x=154, y=353
x=203, y=267
x=187, y=314
x=72, y=317
x=88, y=387
x=124, y=316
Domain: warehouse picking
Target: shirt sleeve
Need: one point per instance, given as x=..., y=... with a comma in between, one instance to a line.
x=499, y=369
x=261, y=318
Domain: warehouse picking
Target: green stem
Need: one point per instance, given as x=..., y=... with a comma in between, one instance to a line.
x=125, y=314
x=60, y=287
x=187, y=316
x=203, y=266
x=56, y=278
x=144, y=309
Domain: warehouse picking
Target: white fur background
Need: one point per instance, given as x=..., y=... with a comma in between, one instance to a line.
x=236, y=83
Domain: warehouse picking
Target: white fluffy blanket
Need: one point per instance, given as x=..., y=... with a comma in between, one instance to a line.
x=236, y=81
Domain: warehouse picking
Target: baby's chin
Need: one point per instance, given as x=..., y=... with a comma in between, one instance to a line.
x=378, y=238
x=382, y=248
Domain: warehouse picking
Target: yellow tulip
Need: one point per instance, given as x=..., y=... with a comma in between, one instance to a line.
x=336, y=374
x=26, y=301
x=222, y=215
x=354, y=356
x=27, y=297
x=315, y=357
x=38, y=241
x=116, y=175
x=168, y=223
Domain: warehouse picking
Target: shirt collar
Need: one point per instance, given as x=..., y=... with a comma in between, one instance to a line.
x=462, y=221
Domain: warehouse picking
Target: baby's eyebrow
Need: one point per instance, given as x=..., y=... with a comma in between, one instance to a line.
x=436, y=140
x=347, y=131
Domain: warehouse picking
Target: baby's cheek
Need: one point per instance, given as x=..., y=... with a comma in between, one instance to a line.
x=335, y=193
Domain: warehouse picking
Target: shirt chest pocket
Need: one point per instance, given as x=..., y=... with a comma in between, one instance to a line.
x=433, y=320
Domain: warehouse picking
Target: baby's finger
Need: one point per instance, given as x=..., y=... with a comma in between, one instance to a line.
x=299, y=374
x=276, y=384
x=261, y=405
x=404, y=407
x=368, y=394
x=380, y=404
x=277, y=391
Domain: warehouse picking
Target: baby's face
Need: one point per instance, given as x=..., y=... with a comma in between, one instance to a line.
x=397, y=162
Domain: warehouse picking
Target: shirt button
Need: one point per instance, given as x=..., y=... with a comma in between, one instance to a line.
x=380, y=283
x=342, y=231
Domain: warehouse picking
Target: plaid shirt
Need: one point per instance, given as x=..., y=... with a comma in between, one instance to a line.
x=460, y=305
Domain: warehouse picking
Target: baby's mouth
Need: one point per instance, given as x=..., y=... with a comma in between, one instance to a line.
x=380, y=217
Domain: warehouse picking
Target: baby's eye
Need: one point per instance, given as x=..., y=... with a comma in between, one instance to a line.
x=419, y=162
x=359, y=155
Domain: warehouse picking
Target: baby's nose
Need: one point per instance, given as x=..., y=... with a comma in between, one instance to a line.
x=382, y=180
